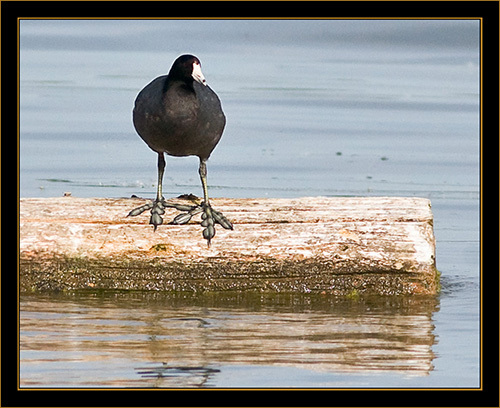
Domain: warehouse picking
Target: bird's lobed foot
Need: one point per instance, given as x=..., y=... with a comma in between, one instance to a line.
x=157, y=208
x=209, y=216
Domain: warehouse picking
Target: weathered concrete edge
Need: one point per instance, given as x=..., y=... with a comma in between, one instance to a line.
x=63, y=273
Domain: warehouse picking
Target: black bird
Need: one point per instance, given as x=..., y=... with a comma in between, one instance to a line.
x=179, y=114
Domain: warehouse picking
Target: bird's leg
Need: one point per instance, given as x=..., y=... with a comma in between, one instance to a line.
x=157, y=207
x=210, y=217
x=161, y=170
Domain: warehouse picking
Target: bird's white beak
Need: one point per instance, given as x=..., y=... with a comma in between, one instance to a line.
x=198, y=75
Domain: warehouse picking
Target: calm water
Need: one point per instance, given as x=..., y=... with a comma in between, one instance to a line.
x=314, y=108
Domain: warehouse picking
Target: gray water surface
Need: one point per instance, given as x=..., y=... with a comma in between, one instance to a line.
x=319, y=107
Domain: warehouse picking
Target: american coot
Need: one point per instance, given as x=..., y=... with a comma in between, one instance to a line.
x=180, y=115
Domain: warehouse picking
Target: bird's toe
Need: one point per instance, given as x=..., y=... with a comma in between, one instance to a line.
x=222, y=220
x=140, y=210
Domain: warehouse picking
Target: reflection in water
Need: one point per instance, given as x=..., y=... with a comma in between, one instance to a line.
x=182, y=376
x=183, y=340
